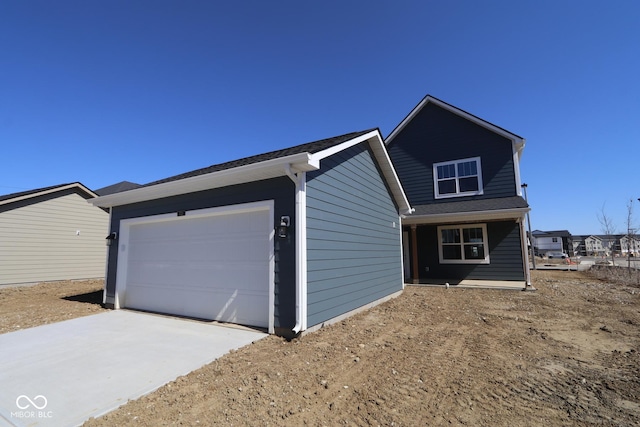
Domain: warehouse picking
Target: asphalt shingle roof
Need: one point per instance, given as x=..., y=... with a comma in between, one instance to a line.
x=116, y=188
x=28, y=192
x=309, y=147
x=462, y=206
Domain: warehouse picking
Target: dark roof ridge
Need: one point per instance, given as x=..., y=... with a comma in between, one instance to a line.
x=34, y=191
x=309, y=147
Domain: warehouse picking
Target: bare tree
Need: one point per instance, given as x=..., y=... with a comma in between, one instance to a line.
x=608, y=229
x=631, y=231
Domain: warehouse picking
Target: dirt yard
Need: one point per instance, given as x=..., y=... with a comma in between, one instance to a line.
x=567, y=354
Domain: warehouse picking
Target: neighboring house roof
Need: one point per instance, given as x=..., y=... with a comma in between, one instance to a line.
x=24, y=195
x=469, y=210
x=117, y=188
x=517, y=140
x=556, y=233
x=300, y=158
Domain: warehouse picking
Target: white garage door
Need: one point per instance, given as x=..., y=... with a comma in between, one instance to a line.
x=212, y=264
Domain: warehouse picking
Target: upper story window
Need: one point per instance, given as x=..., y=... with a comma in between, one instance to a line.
x=458, y=178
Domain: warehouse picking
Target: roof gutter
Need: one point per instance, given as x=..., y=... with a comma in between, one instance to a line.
x=238, y=175
x=515, y=213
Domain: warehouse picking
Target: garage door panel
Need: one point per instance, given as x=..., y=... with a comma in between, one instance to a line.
x=174, y=273
x=228, y=249
x=213, y=267
x=226, y=305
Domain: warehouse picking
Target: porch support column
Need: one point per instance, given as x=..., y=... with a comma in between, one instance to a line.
x=415, y=275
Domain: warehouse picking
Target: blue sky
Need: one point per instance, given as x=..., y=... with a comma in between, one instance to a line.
x=100, y=92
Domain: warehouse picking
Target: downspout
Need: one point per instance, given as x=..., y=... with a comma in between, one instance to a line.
x=106, y=264
x=299, y=180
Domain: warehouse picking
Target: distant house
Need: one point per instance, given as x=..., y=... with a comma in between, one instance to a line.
x=50, y=234
x=596, y=244
x=552, y=241
x=629, y=245
x=462, y=176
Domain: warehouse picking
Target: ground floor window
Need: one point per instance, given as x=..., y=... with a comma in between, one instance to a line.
x=463, y=244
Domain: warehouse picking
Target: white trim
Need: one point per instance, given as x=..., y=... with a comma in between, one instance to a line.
x=516, y=169
x=301, y=247
x=301, y=162
x=49, y=191
x=460, y=217
x=238, y=175
x=301, y=250
x=429, y=99
x=389, y=171
x=485, y=243
x=347, y=144
x=106, y=263
x=525, y=252
x=458, y=193
x=123, y=243
x=384, y=161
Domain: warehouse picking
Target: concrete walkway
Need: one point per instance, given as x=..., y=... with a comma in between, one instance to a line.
x=65, y=373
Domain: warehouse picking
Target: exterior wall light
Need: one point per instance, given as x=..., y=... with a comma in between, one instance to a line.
x=111, y=237
x=283, y=228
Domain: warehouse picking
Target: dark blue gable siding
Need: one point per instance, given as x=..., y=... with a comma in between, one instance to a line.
x=505, y=253
x=281, y=190
x=436, y=135
x=353, y=236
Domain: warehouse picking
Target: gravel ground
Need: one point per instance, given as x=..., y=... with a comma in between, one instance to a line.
x=567, y=354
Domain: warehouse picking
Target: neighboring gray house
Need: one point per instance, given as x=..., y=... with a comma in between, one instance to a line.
x=50, y=234
x=462, y=176
x=552, y=241
x=287, y=241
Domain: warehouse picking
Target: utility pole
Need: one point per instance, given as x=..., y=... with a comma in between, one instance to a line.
x=533, y=255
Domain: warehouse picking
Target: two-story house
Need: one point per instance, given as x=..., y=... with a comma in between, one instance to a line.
x=552, y=241
x=461, y=175
x=629, y=244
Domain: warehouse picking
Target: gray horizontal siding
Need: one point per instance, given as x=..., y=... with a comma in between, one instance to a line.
x=505, y=254
x=59, y=237
x=353, y=248
x=281, y=190
x=437, y=135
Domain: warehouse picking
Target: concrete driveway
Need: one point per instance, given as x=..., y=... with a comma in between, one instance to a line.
x=65, y=373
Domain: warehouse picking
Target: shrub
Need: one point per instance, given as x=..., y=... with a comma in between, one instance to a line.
x=616, y=274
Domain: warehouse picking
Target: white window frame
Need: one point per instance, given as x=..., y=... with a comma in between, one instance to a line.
x=458, y=193
x=485, y=243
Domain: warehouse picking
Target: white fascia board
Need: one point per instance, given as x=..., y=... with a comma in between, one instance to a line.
x=49, y=191
x=380, y=151
x=338, y=148
x=239, y=175
x=516, y=167
x=384, y=161
x=466, y=216
x=513, y=137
